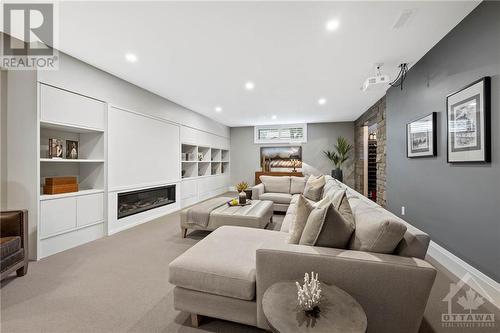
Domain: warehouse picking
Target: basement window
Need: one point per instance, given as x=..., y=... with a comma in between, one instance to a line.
x=280, y=133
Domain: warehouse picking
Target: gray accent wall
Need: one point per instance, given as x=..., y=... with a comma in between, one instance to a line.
x=457, y=204
x=245, y=154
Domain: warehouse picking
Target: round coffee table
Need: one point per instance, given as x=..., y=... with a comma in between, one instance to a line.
x=339, y=311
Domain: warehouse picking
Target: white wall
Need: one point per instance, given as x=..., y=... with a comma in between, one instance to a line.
x=3, y=139
x=77, y=76
x=22, y=152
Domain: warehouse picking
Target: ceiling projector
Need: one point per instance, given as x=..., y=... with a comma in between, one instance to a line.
x=378, y=79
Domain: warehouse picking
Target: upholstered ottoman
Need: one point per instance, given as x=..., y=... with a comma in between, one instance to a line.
x=256, y=215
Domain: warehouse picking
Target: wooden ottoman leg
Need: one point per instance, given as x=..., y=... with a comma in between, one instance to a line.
x=195, y=320
x=184, y=232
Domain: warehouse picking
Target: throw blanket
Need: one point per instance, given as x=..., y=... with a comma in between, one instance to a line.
x=199, y=214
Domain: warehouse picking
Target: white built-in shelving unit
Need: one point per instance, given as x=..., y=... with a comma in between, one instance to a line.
x=200, y=161
x=69, y=219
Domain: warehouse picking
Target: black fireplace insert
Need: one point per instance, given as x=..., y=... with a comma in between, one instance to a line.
x=134, y=202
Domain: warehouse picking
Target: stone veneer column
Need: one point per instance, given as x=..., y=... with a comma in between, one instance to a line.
x=375, y=114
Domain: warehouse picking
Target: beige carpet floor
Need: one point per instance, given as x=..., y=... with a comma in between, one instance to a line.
x=120, y=284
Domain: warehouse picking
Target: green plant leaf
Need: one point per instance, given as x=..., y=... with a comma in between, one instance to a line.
x=341, y=155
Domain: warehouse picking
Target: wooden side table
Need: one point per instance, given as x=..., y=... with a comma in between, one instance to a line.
x=339, y=311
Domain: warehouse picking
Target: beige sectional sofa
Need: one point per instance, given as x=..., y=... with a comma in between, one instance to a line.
x=225, y=275
x=279, y=190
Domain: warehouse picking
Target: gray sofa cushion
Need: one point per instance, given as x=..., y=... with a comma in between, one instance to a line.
x=223, y=263
x=330, y=184
x=376, y=230
x=283, y=198
x=297, y=184
x=276, y=184
x=302, y=210
x=314, y=188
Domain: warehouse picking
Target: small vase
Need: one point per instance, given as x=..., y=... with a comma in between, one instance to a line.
x=337, y=174
x=242, y=197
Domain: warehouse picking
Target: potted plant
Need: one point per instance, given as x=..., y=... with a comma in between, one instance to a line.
x=241, y=188
x=339, y=156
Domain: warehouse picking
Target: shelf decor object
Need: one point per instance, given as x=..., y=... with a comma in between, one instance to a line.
x=469, y=123
x=55, y=148
x=58, y=185
x=71, y=149
x=309, y=295
x=242, y=196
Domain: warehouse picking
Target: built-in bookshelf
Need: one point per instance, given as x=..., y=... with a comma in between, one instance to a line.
x=88, y=167
x=77, y=125
x=201, y=161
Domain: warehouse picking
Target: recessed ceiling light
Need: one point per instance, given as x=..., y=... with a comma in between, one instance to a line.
x=332, y=25
x=131, y=57
x=249, y=85
x=321, y=101
x=274, y=116
x=218, y=109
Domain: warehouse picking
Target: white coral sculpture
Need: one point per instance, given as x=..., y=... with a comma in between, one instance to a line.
x=309, y=295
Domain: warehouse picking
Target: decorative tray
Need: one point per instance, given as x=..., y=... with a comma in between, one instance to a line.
x=249, y=202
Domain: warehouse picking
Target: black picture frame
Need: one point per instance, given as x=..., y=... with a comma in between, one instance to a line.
x=430, y=137
x=478, y=127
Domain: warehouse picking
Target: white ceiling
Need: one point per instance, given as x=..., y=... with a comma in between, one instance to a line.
x=200, y=54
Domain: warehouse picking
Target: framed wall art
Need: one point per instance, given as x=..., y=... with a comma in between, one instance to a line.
x=421, y=136
x=468, y=123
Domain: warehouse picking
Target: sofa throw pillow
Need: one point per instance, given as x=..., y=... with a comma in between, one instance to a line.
x=313, y=226
x=302, y=210
x=276, y=184
x=297, y=184
x=376, y=231
x=314, y=188
x=344, y=208
x=326, y=201
x=330, y=225
x=338, y=226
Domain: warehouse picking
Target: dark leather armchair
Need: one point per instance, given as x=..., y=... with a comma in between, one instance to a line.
x=13, y=242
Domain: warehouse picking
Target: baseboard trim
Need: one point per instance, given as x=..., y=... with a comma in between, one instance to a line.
x=459, y=268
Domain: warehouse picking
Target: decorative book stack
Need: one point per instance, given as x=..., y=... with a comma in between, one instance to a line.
x=58, y=185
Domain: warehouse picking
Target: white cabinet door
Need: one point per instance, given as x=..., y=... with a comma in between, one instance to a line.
x=89, y=209
x=188, y=135
x=57, y=215
x=189, y=188
x=61, y=106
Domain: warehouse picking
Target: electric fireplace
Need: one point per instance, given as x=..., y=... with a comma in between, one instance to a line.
x=134, y=202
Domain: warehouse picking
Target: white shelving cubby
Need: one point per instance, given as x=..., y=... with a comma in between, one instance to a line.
x=189, y=153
